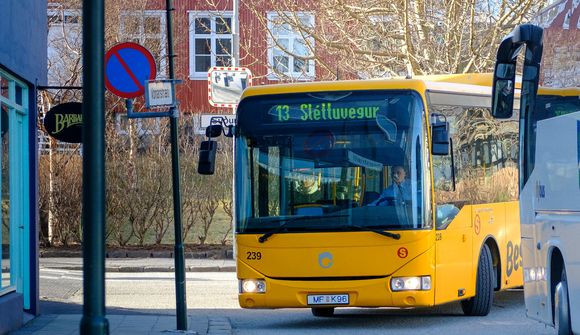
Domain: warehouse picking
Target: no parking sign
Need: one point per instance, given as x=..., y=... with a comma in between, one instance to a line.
x=127, y=67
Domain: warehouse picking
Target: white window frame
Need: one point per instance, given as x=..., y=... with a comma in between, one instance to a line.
x=213, y=36
x=55, y=10
x=310, y=73
x=141, y=35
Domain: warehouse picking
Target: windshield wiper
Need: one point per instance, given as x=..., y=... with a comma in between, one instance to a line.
x=378, y=231
x=287, y=221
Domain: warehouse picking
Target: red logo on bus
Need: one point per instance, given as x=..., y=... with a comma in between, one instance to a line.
x=477, y=224
x=402, y=252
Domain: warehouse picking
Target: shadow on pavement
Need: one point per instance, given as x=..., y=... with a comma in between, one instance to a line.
x=55, y=307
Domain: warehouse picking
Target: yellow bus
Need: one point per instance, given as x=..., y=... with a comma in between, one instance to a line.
x=377, y=193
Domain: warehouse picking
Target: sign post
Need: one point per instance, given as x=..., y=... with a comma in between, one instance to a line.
x=180, y=297
x=94, y=320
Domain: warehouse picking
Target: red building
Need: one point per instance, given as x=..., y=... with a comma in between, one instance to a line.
x=203, y=39
x=561, y=58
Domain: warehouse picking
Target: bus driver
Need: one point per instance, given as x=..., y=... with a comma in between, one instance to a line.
x=399, y=192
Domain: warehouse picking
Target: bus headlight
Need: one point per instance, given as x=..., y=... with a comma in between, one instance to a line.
x=252, y=286
x=422, y=283
x=534, y=274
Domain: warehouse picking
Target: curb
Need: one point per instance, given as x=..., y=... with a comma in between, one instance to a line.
x=208, y=254
x=149, y=268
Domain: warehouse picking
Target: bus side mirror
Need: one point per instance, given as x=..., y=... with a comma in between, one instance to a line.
x=214, y=130
x=207, y=153
x=502, y=99
x=440, y=137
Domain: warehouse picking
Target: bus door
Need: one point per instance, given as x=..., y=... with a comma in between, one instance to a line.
x=454, y=277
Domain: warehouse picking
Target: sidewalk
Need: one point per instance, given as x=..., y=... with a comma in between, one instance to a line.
x=133, y=324
x=142, y=264
x=127, y=325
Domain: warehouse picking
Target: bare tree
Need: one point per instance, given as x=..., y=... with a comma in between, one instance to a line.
x=381, y=38
x=191, y=182
x=137, y=159
x=227, y=206
x=225, y=169
x=162, y=221
x=64, y=197
x=215, y=192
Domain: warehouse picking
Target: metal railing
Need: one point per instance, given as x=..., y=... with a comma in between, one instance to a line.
x=58, y=146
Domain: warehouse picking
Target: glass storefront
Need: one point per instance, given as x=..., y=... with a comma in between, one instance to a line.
x=5, y=214
x=14, y=183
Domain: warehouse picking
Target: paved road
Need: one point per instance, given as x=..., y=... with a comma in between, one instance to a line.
x=507, y=317
x=214, y=295
x=145, y=292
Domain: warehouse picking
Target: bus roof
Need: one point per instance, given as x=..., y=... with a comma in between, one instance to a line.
x=564, y=91
x=341, y=85
x=479, y=79
x=469, y=83
x=460, y=83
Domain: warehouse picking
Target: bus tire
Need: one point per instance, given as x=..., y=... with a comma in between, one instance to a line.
x=324, y=312
x=562, y=321
x=480, y=304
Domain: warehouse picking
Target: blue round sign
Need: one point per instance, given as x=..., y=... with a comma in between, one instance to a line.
x=127, y=67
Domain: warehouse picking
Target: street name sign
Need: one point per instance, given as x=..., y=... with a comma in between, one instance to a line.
x=205, y=121
x=160, y=93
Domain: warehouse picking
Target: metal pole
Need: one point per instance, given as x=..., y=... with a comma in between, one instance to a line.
x=93, y=215
x=181, y=303
x=235, y=63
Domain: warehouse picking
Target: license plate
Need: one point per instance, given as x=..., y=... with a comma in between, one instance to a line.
x=327, y=299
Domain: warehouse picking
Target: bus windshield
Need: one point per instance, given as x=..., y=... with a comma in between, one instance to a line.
x=332, y=161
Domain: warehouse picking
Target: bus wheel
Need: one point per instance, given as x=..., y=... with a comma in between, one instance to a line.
x=480, y=304
x=562, y=307
x=323, y=311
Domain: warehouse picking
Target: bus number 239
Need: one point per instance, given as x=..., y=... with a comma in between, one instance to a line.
x=253, y=255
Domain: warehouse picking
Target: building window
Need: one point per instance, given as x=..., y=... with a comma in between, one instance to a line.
x=148, y=29
x=210, y=42
x=290, y=47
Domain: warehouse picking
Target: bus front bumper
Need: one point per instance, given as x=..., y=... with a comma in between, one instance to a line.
x=331, y=293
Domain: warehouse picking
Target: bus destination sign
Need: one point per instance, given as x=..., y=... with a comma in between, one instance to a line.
x=329, y=111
